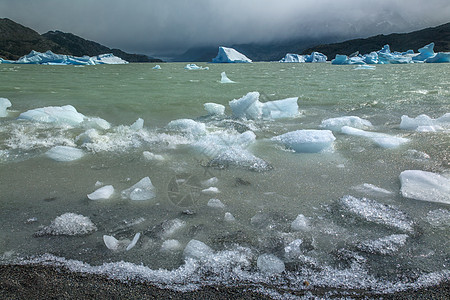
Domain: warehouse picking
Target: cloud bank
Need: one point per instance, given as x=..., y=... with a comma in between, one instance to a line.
x=170, y=26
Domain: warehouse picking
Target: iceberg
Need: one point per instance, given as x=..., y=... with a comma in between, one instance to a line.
x=197, y=250
x=4, y=104
x=66, y=114
x=187, y=126
x=424, y=123
x=143, y=190
x=195, y=67
x=64, y=153
x=425, y=52
x=314, y=57
x=425, y=186
x=230, y=55
x=102, y=193
x=285, y=108
x=381, y=139
x=225, y=79
x=215, y=203
x=157, y=67
x=68, y=224
x=214, y=108
x=307, y=141
x=239, y=157
x=336, y=124
x=50, y=58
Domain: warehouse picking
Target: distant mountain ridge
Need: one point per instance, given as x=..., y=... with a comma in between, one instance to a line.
x=17, y=40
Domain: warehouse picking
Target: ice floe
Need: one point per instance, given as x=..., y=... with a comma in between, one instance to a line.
x=336, y=124
x=187, y=126
x=230, y=55
x=381, y=139
x=102, y=193
x=387, y=245
x=425, y=186
x=214, y=109
x=239, y=157
x=170, y=245
x=66, y=114
x=68, y=224
x=157, y=67
x=224, y=78
x=142, y=190
x=314, y=57
x=4, y=104
x=424, y=123
x=152, y=156
x=270, y=264
x=195, y=67
x=64, y=153
x=197, y=250
x=307, y=141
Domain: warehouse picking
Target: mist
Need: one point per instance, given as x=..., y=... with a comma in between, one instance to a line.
x=172, y=26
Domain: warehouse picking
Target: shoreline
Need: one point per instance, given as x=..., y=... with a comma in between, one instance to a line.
x=56, y=282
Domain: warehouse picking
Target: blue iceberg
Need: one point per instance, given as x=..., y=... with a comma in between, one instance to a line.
x=315, y=57
x=230, y=55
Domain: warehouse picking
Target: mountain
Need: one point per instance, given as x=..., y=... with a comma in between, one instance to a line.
x=17, y=40
x=401, y=42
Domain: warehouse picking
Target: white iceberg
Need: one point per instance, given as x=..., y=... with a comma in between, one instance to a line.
x=137, y=125
x=314, y=57
x=425, y=186
x=66, y=114
x=64, y=153
x=157, y=67
x=210, y=182
x=336, y=124
x=69, y=224
x=50, y=58
x=285, y=108
x=114, y=244
x=4, y=104
x=307, y=141
x=214, y=109
x=381, y=139
x=230, y=55
x=424, y=123
x=195, y=67
x=197, y=250
x=104, y=192
x=225, y=79
x=143, y=190
x=270, y=264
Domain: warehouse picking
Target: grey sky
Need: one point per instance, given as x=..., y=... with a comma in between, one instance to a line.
x=168, y=26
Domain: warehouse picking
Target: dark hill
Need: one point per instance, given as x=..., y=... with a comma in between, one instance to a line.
x=401, y=42
x=17, y=40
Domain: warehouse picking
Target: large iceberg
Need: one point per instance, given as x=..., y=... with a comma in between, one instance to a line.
x=230, y=55
x=314, y=57
x=425, y=186
x=50, y=58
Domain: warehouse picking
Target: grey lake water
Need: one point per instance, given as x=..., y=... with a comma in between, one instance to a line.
x=341, y=239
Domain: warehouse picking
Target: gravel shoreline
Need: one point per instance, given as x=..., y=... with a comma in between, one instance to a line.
x=48, y=282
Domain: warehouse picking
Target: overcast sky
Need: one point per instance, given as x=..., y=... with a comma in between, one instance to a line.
x=168, y=26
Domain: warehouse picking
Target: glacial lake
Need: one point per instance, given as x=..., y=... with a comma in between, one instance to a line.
x=334, y=219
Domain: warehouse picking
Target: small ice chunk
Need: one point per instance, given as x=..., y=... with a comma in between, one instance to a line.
x=215, y=203
x=335, y=124
x=69, y=224
x=229, y=217
x=66, y=114
x=187, y=126
x=97, y=123
x=210, y=182
x=214, y=108
x=157, y=67
x=425, y=186
x=247, y=106
x=64, y=153
x=134, y=241
x=152, y=157
x=197, y=250
x=211, y=191
x=386, y=245
x=169, y=228
x=4, y=104
x=269, y=263
x=111, y=242
x=424, y=123
x=170, y=245
x=143, y=190
x=285, y=108
x=102, y=193
x=307, y=141
x=381, y=139
x=439, y=218
x=225, y=79
x=301, y=223
x=293, y=250
x=137, y=125
x=236, y=156
x=195, y=67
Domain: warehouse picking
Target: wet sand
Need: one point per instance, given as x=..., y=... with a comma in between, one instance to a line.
x=47, y=282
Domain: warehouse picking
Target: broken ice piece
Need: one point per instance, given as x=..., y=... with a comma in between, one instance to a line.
x=104, y=192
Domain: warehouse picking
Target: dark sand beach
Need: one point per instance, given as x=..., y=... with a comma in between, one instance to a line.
x=46, y=282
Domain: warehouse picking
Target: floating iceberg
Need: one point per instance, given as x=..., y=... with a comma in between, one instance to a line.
x=68, y=224
x=187, y=126
x=225, y=79
x=307, y=141
x=157, y=67
x=425, y=186
x=314, y=57
x=425, y=52
x=50, y=58
x=64, y=153
x=4, y=104
x=238, y=157
x=424, y=123
x=250, y=107
x=195, y=67
x=102, y=193
x=215, y=203
x=214, y=108
x=230, y=55
x=336, y=124
x=143, y=190
x=66, y=114
x=381, y=139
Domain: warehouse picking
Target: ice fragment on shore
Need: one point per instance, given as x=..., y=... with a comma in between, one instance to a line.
x=66, y=114
x=215, y=203
x=375, y=212
x=269, y=263
x=64, y=153
x=211, y=190
x=386, y=245
x=293, y=251
x=214, y=109
x=102, y=193
x=68, y=224
x=425, y=186
x=424, y=123
x=170, y=245
x=143, y=190
x=134, y=241
x=225, y=79
x=197, y=250
x=229, y=217
x=4, y=104
x=381, y=139
x=336, y=124
x=307, y=141
x=210, y=182
x=301, y=223
x=111, y=242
